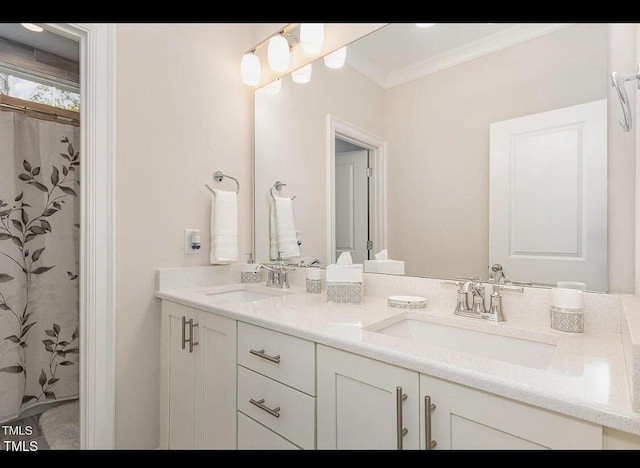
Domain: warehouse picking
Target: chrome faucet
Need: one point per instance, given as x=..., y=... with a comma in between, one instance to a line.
x=277, y=273
x=495, y=313
x=473, y=287
x=496, y=275
x=477, y=290
x=466, y=289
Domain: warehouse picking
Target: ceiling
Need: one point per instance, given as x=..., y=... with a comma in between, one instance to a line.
x=401, y=52
x=45, y=40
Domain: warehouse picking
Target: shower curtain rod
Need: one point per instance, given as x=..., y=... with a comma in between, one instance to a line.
x=20, y=105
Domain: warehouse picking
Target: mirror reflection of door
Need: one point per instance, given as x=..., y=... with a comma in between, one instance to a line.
x=352, y=200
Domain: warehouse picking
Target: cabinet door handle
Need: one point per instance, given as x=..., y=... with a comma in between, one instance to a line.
x=191, y=342
x=262, y=354
x=428, y=408
x=275, y=412
x=184, y=326
x=400, y=431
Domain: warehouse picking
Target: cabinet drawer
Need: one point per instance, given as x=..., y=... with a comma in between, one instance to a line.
x=254, y=436
x=282, y=357
x=288, y=412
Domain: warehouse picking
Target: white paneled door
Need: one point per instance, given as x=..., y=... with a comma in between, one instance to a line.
x=548, y=196
x=352, y=205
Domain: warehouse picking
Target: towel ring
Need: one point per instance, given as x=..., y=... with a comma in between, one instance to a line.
x=218, y=176
x=278, y=186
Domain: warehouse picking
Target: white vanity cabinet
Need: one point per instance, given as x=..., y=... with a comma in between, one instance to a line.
x=276, y=390
x=365, y=404
x=466, y=418
x=360, y=407
x=198, y=379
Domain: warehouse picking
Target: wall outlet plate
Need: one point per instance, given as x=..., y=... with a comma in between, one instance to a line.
x=189, y=246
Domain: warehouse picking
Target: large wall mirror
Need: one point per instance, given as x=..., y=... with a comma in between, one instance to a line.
x=455, y=147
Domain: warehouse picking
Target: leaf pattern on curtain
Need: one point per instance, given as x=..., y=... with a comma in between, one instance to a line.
x=38, y=292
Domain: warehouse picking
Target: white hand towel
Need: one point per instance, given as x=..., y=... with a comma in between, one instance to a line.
x=273, y=231
x=286, y=229
x=224, y=227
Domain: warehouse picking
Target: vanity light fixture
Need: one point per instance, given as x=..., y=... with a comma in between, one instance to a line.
x=250, y=69
x=278, y=53
x=302, y=75
x=336, y=58
x=273, y=87
x=32, y=27
x=312, y=37
x=425, y=25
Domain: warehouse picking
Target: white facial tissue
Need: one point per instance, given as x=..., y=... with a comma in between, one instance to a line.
x=382, y=255
x=344, y=259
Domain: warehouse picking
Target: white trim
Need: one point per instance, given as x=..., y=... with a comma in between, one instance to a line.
x=378, y=189
x=97, y=225
x=483, y=46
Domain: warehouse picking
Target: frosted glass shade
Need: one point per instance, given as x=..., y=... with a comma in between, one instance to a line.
x=312, y=37
x=336, y=59
x=250, y=69
x=425, y=25
x=302, y=75
x=32, y=27
x=278, y=53
x=273, y=87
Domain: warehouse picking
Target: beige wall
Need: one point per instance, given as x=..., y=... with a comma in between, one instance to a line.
x=437, y=132
x=291, y=146
x=621, y=170
x=182, y=113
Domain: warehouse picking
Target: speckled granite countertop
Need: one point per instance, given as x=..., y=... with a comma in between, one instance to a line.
x=587, y=377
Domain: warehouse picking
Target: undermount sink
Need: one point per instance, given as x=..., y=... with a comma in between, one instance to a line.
x=240, y=295
x=518, y=351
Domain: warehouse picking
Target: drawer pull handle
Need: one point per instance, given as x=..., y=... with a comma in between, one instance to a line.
x=262, y=354
x=275, y=412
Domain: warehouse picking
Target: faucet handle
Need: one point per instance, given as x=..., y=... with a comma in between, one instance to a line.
x=499, y=287
x=473, y=279
x=461, y=284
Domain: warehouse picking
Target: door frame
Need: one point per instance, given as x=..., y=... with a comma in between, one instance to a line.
x=377, y=147
x=97, y=230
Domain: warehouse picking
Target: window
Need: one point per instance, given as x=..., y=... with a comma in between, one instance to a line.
x=34, y=91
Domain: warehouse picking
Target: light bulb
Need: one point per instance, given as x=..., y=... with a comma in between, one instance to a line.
x=425, y=25
x=312, y=37
x=336, y=59
x=273, y=87
x=32, y=27
x=250, y=69
x=302, y=75
x=278, y=53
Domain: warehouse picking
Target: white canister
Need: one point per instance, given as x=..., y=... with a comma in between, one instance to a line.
x=314, y=273
x=567, y=310
x=314, y=280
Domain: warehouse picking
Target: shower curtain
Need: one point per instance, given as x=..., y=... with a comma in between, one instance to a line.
x=39, y=250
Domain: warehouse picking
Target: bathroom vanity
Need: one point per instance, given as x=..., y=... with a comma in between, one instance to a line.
x=263, y=368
